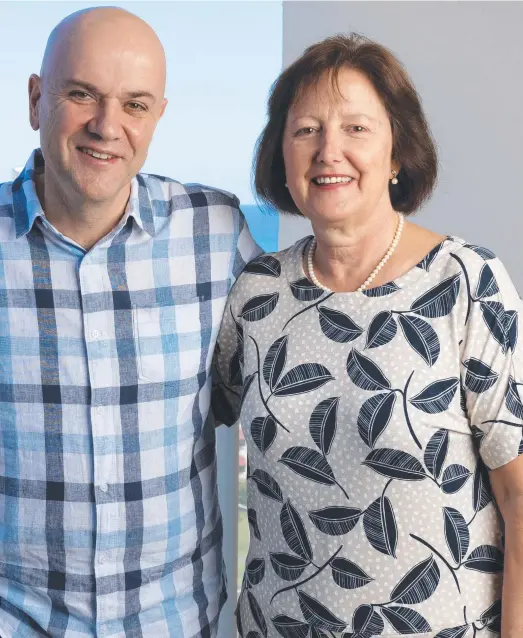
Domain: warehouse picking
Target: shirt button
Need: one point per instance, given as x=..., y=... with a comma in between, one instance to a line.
x=95, y=334
x=99, y=410
x=103, y=487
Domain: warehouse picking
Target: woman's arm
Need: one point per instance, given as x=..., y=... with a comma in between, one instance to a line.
x=507, y=485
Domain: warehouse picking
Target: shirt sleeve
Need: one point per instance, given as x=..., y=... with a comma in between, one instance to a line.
x=492, y=358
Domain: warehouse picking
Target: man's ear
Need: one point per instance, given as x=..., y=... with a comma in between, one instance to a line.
x=35, y=93
x=164, y=105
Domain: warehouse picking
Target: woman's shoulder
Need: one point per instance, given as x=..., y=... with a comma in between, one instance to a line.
x=485, y=274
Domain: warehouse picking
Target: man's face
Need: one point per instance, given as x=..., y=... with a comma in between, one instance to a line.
x=97, y=108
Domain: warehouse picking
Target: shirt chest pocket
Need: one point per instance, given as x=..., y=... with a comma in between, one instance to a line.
x=172, y=341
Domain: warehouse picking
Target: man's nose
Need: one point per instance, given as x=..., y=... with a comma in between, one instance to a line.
x=106, y=123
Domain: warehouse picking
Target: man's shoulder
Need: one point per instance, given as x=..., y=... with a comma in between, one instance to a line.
x=196, y=194
x=7, y=227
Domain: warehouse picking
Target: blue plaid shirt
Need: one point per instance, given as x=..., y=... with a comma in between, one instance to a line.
x=109, y=518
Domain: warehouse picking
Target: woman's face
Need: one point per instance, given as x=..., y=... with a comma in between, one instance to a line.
x=337, y=150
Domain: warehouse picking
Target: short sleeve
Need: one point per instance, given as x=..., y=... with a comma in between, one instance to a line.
x=492, y=358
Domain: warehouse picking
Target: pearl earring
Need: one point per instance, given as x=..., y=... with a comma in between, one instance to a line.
x=394, y=179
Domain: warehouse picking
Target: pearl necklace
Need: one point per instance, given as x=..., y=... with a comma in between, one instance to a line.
x=368, y=281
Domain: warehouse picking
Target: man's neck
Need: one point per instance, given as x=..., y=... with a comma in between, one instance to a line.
x=83, y=222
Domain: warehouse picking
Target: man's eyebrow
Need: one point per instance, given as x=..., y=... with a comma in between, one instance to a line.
x=91, y=88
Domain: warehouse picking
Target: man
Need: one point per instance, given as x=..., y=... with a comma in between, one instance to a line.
x=113, y=284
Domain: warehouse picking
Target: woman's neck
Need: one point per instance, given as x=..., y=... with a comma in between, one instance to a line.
x=346, y=255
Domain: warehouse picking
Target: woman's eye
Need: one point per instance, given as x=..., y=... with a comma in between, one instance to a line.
x=306, y=130
x=358, y=129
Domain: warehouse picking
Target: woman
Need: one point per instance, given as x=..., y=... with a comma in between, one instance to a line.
x=375, y=369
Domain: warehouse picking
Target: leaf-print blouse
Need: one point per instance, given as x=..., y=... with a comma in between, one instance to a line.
x=371, y=421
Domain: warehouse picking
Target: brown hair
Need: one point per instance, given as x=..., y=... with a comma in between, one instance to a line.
x=413, y=147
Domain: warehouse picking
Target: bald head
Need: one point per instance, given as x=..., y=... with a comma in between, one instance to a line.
x=101, y=90
x=115, y=29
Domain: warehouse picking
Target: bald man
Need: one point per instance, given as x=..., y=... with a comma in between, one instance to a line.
x=113, y=285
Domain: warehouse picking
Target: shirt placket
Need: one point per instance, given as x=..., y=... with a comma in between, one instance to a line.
x=106, y=439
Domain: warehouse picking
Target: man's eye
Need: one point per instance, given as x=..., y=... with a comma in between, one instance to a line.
x=136, y=106
x=79, y=95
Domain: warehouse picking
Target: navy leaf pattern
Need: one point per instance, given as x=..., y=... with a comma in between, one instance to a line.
x=487, y=285
x=453, y=632
x=436, y=397
x=348, y=575
x=479, y=376
x=511, y=329
x=263, y=432
x=252, y=517
x=267, y=485
x=457, y=533
x=323, y=424
x=454, y=478
x=365, y=373
x=405, y=620
x=275, y=361
x=305, y=290
x=382, y=291
x=303, y=378
x=436, y=452
x=422, y=338
x=374, y=416
x=382, y=330
x=430, y=257
x=379, y=524
x=485, y=253
x=235, y=372
x=255, y=570
x=366, y=622
x=288, y=566
x=257, y=613
x=337, y=326
x=396, y=395
x=494, y=317
x=481, y=493
x=264, y=265
x=294, y=531
x=395, y=464
x=439, y=300
x=513, y=400
x=309, y=464
x=485, y=558
x=335, y=520
x=418, y=584
x=290, y=627
x=221, y=406
x=259, y=307
x=478, y=435
x=318, y=615
x=493, y=611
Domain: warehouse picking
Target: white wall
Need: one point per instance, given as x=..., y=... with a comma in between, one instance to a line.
x=466, y=60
